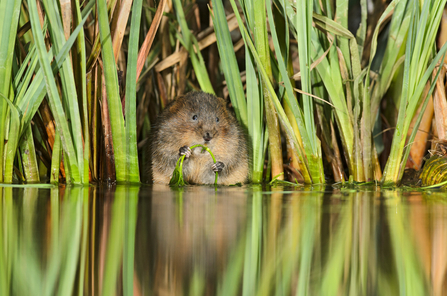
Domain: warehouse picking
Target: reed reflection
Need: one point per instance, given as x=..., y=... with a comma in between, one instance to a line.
x=231, y=241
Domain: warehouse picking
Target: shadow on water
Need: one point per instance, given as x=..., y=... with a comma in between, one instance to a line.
x=234, y=241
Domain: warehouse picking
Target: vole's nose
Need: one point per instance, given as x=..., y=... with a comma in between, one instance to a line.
x=207, y=137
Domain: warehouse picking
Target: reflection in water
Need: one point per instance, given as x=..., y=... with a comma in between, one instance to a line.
x=232, y=241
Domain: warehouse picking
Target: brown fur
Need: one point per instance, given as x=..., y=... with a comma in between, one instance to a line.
x=176, y=128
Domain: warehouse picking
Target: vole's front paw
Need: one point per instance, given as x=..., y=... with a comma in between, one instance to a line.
x=185, y=150
x=218, y=166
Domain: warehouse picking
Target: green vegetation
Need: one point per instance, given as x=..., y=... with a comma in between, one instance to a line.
x=80, y=88
x=177, y=175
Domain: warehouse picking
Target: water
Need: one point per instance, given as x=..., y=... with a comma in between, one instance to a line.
x=233, y=241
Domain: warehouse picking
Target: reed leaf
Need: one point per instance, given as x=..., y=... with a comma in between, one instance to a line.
x=13, y=140
x=361, y=31
x=419, y=119
x=260, y=37
x=252, y=117
x=229, y=62
x=119, y=24
x=330, y=71
x=147, y=43
x=26, y=71
x=131, y=89
x=341, y=19
x=255, y=115
x=279, y=109
x=366, y=120
x=55, y=102
x=69, y=93
x=29, y=101
x=177, y=174
x=55, y=159
x=82, y=89
x=36, y=91
x=393, y=52
x=312, y=146
x=113, y=98
x=413, y=80
x=28, y=156
x=307, y=135
x=9, y=15
x=96, y=48
x=190, y=43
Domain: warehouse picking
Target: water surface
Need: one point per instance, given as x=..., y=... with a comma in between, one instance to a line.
x=124, y=240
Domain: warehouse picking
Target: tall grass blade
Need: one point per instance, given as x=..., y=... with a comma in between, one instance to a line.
x=96, y=48
x=133, y=174
x=55, y=102
x=255, y=116
x=23, y=78
x=189, y=42
x=9, y=16
x=13, y=140
x=82, y=90
x=32, y=98
x=119, y=24
x=280, y=111
x=113, y=98
x=55, y=159
x=397, y=34
x=251, y=117
x=262, y=48
x=147, y=43
x=29, y=159
x=361, y=31
x=69, y=93
x=305, y=121
x=418, y=121
x=416, y=74
x=303, y=23
x=229, y=62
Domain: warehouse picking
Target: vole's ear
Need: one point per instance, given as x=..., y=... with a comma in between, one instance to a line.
x=176, y=105
x=224, y=103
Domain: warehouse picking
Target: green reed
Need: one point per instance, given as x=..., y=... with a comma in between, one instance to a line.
x=61, y=95
x=418, y=67
x=64, y=83
x=177, y=174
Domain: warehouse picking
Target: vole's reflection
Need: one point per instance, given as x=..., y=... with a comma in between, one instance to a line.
x=188, y=232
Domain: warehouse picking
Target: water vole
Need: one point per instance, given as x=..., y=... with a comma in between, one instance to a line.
x=199, y=118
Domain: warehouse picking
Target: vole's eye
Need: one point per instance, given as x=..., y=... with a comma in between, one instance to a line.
x=217, y=119
x=194, y=117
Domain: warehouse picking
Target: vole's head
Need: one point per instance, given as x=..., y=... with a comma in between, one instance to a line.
x=204, y=118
